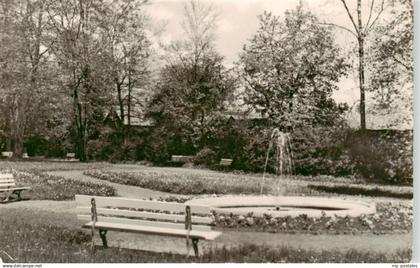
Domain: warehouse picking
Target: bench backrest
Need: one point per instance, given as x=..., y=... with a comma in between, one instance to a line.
x=225, y=162
x=7, y=181
x=143, y=212
x=182, y=158
x=7, y=154
x=70, y=155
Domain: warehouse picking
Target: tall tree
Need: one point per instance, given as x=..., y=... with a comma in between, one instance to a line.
x=360, y=31
x=79, y=51
x=194, y=84
x=25, y=45
x=391, y=63
x=128, y=48
x=290, y=69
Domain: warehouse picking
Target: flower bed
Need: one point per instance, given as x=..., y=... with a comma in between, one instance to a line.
x=47, y=187
x=389, y=218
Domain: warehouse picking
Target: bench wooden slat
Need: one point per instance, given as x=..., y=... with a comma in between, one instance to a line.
x=130, y=222
x=6, y=180
x=144, y=214
x=7, y=185
x=225, y=162
x=104, y=202
x=211, y=235
x=15, y=189
x=182, y=158
x=6, y=176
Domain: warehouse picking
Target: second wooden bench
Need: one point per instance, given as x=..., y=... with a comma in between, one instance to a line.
x=8, y=185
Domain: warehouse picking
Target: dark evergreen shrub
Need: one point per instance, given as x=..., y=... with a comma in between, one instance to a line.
x=206, y=157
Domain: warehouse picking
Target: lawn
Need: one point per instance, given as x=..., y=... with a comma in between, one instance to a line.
x=195, y=182
x=49, y=165
x=42, y=237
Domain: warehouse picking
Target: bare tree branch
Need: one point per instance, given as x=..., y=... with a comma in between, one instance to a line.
x=377, y=17
x=370, y=13
x=350, y=16
x=339, y=26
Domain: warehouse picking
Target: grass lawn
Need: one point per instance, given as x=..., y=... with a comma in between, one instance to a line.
x=49, y=165
x=194, y=182
x=47, y=187
x=201, y=181
x=34, y=236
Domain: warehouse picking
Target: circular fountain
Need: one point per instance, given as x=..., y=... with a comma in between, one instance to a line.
x=281, y=206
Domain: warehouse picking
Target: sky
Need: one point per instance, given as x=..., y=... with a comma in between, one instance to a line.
x=237, y=22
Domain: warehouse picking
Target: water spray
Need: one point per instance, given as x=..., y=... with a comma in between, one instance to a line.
x=283, y=156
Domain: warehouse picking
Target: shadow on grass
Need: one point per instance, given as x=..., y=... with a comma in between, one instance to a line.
x=352, y=190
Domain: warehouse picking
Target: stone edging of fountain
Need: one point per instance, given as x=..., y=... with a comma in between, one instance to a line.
x=282, y=206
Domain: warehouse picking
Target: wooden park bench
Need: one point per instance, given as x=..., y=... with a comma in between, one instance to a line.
x=182, y=158
x=7, y=154
x=145, y=216
x=8, y=185
x=70, y=156
x=225, y=162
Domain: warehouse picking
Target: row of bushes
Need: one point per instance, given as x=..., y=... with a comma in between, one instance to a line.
x=383, y=156
x=375, y=155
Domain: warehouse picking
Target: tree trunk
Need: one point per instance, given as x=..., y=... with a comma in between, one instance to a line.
x=80, y=127
x=16, y=127
x=128, y=129
x=120, y=101
x=360, y=39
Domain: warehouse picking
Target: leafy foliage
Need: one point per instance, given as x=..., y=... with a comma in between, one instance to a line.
x=191, y=100
x=206, y=157
x=194, y=86
x=322, y=151
x=392, y=65
x=383, y=155
x=290, y=70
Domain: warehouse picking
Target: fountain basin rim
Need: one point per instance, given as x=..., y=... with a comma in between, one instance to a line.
x=310, y=206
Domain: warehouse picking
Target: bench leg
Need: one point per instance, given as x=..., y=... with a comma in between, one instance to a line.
x=17, y=193
x=102, y=234
x=14, y=193
x=195, y=246
x=8, y=196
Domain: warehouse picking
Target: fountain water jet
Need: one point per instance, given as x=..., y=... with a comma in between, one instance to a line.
x=279, y=141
